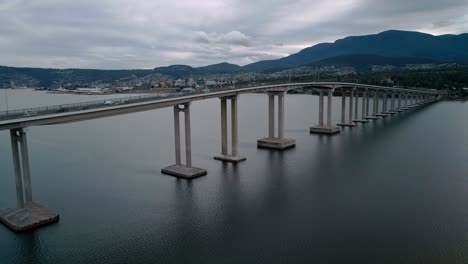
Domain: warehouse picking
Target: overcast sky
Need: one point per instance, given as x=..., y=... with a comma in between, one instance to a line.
x=117, y=34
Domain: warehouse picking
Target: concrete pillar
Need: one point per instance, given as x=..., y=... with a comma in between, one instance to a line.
x=343, y=105
x=188, y=140
x=224, y=140
x=399, y=101
x=281, y=115
x=364, y=105
x=406, y=100
x=271, y=115
x=393, y=103
x=186, y=171
x=234, y=129
x=177, y=135
x=329, y=111
x=376, y=103
x=351, y=106
x=367, y=104
x=321, y=108
x=384, y=107
x=25, y=165
x=356, y=105
x=17, y=168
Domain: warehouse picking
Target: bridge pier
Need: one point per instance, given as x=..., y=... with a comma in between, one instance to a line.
x=392, y=106
x=28, y=214
x=234, y=156
x=351, y=109
x=365, y=104
x=399, y=103
x=321, y=128
x=384, y=106
x=375, y=107
x=272, y=141
x=186, y=171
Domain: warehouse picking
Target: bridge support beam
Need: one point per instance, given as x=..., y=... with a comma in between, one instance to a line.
x=365, y=104
x=234, y=156
x=28, y=214
x=179, y=170
x=321, y=128
x=399, y=103
x=351, y=110
x=272, y=141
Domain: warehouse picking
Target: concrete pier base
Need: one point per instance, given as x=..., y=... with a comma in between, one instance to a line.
x=330, y=130
x=276, y=143
x=182, y=171
x=232, y=159
x=372, y=117
x=382, y=115
x=31, y=216
x=361, y=121
x=391, y=113
x=346, y=124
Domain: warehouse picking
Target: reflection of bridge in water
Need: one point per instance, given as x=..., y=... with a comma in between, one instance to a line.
x=29, y=215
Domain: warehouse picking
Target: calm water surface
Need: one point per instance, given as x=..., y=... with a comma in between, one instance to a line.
x=391, y=191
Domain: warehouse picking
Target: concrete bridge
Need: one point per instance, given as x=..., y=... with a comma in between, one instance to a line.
x=28, y=214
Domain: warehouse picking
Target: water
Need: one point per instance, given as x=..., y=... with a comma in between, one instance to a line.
x=392, y=191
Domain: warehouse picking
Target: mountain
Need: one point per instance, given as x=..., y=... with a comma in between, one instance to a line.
x=392, y=43
x=393, y=47
x=364, y=62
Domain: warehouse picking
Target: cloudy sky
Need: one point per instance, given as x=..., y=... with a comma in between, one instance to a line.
x=116, y=34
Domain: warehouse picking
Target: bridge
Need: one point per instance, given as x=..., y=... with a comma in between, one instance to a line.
x=28, y=214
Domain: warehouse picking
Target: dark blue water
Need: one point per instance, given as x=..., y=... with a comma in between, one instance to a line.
x=391, y=191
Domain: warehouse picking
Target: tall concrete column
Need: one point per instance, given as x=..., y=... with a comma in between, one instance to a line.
x=351, y=106
x=356, y=105
x=329, y=110
x=224, y=140
x=271, y=116
x=188, y=139
x=28, y=215
x=279, y=142
x=321, y=108
x=17, y=168
x=329, y=128
x=367, y=105
x=399, y=101
x=364, y=105
x=234, y=130
x=376, y=103
x=384, y=109
x=177, y=135
x=25, y=165
x=186, y=171
x=234, y=156
x=343, y=106
x=281, y=115
x=393, y=103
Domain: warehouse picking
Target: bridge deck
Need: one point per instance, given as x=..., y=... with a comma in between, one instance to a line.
x=86, y=111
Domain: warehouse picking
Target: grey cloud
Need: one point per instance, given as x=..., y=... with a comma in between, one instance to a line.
x=150, y=33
